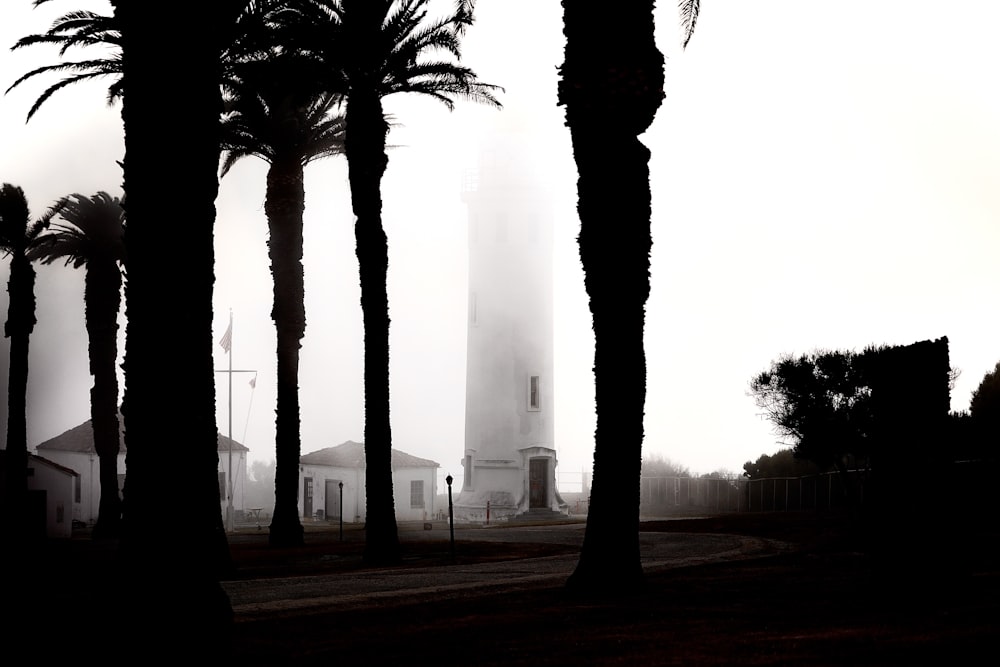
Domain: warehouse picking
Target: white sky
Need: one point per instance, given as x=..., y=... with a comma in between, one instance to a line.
x=823, y=176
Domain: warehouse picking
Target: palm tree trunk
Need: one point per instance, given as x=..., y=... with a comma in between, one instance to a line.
x=611, y=95
x=367, y=161
x=101, y=294
x=172, y=598
x=20, y=323
x=284, y=204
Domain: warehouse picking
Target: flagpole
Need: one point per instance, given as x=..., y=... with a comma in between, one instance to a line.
x=229, y=508
x=227, y=345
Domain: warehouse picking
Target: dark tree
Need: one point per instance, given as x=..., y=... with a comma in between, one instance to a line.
x=611, y=86
x=16, y=232
x=782, y=463
x=984, y=411
x=276, y=113
x=91, y=236
x=375, y=48
x=821, y=402
x=172, y=103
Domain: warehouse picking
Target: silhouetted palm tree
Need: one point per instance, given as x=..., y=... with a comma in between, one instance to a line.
x=375, y=48
x=277, y=114
x=91, y=237
x=75, y=30
x=611, y=85
x=16, y=232
x=171, y=109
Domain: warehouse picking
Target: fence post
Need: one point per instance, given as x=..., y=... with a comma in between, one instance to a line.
x=451, y=517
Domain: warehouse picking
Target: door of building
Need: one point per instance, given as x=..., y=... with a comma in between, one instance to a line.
x=307, y=497
x=538, y=483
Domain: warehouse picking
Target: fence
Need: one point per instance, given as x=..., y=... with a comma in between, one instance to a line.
x=683, y=495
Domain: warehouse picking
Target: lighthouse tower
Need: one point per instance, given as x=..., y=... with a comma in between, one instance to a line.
x=510, y=456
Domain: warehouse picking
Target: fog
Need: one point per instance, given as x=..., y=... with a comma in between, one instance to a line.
x=818, y=181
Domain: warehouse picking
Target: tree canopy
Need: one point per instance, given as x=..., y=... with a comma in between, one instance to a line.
x=838, y=408
x=821, y=401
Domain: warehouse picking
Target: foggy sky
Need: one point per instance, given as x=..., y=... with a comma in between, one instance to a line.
x=824, y=176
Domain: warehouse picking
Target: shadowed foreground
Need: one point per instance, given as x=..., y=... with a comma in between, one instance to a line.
x=816, y=604
x=812, y=599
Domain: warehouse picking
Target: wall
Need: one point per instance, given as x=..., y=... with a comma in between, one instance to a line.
x=58, y=485
x=401, y=480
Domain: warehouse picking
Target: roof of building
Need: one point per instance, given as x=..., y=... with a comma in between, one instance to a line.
x=81, y=439
x=351, y=454
x=53, y=464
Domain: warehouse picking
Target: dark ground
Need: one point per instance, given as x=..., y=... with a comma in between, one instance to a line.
x=822, y=603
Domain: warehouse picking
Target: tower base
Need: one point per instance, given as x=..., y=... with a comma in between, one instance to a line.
x=506, y=488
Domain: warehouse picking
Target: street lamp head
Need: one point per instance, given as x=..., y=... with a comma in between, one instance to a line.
x=449, y=479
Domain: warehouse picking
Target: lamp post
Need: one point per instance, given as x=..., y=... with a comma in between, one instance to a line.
x=341, y=485
x=451, y=517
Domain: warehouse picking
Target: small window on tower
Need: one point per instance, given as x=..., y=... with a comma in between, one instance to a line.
x=473, y=309
x=534, y=399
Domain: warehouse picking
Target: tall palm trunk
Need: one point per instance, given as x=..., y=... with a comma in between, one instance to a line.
x=102, y=297
x=20, y=324
x=171, y=112
x=284, y=204
x=367, y=162
x=611, y=95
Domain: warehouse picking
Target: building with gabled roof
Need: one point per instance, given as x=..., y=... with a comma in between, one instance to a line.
x=75, y=450
x=53, y=491
x=332, y=480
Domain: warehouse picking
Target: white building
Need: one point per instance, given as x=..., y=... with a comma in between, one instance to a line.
x=321, y=474
x=75, y=450
x=510, y=456
x=60, y=487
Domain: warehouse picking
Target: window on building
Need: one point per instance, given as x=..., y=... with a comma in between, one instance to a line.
x=467, y=481
x=222, y=485
x=473, y=309
x=534, y=393
x=76, y=489
x=417, y=493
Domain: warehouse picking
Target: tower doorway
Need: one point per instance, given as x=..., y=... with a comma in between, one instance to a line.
x=538, y=483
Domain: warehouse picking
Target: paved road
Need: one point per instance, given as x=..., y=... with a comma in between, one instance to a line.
x=381, y=587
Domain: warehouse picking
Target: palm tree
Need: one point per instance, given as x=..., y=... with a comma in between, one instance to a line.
x=373, y=49
x=171, y=109
x=277, y=114
x=611, y=85
x=91, y=236
x=74, y=30
x=16, y=233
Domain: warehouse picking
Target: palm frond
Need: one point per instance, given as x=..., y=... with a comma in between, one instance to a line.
x=77, y=29
x=91, y=229
x=689, y=18
x=87, y=72
x=463, y=15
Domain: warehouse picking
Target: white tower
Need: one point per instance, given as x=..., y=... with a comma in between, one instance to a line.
x=510, y=456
